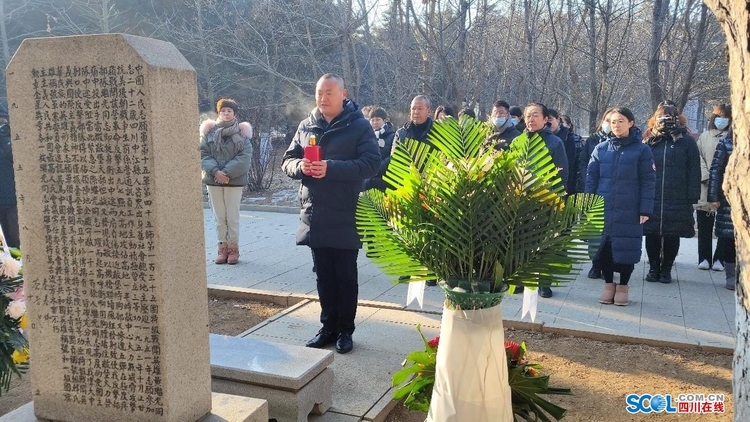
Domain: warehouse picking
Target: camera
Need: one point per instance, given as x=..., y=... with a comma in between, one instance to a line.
x=4, y=129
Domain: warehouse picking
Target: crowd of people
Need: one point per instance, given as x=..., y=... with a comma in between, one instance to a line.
x=654, y=183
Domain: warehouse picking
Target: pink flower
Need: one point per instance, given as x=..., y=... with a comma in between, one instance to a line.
x=17, y=295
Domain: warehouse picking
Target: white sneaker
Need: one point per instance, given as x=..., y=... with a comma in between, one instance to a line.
x=704, y=265
x=717, y=266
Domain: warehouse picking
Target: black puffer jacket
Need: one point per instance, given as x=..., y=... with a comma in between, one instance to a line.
x=328, y=204
x=678, y=184
x=724, y=226
x=385, y=141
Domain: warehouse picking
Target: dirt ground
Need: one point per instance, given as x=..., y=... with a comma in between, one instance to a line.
x=600, y=374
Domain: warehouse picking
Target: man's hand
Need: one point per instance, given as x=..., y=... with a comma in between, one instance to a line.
x=644, y=218
x=319, y=169
x=221, y=178
x=306, y=167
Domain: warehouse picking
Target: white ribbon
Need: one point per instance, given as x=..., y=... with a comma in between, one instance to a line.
x=530, y=300
x=416, y=291
x=6, y=250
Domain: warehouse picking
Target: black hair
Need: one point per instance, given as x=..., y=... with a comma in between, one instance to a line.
x=553, y=113
x=447, y=110
x=545, y=110
x=515, y=111
x=625, y=112
x=467, y=111
x=503, y=104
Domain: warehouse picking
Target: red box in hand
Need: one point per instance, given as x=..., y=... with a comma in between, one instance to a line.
x=313, y=153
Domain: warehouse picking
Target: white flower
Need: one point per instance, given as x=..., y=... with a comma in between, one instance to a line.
x=9, y=267
x=16, y=309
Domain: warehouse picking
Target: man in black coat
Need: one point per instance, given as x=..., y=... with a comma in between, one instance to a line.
x=8, y=205
x=505, y=130
x=420, y=121
x=329, y=194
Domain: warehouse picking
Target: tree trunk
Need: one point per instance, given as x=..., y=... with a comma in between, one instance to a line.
x=735, y=20
x=661, y=7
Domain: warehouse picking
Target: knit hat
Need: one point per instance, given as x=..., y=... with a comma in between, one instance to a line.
x=227, y=102
x=378, y=112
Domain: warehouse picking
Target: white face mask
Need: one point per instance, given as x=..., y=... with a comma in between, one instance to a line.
x=513, y=121
x=605, y=127
x=499, y=121
x=721, y=122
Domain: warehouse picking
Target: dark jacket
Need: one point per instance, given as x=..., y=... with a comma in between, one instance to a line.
x=414, y=131
x=385, y=141
x=585, y=155
x=502, y=138
x=556, y=150
x=328, y=205
x=569, y=142
x=724, y=226
x=622, y=171
x=7, y=176
x=678, y=184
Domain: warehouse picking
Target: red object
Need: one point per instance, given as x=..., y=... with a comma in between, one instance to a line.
x=513, y=348
x=313, y=153
x=434, y=342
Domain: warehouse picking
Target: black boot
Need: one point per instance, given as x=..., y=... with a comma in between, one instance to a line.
x=665, y=276
x=653, y=271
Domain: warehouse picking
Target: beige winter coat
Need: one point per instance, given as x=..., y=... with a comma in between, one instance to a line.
x=707, y=146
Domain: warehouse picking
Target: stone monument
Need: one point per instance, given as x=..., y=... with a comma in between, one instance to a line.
x=105, y=140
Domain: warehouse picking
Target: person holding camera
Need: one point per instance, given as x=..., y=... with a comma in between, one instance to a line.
x=8, y=205
x=678, y=187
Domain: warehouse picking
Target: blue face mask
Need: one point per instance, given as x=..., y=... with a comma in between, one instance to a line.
x=513, y=121
x=721, y=122
x=499, y=121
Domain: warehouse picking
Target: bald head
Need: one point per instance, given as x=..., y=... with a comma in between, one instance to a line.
x=330, y=95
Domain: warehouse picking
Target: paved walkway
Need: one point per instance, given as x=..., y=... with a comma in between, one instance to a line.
x=695, y=309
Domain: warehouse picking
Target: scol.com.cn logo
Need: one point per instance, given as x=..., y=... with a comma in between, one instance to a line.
x=681, y=403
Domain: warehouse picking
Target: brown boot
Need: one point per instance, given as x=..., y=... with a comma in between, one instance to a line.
x=233, y=254
x=608, y=295
x=221, y=257
x=621, y=295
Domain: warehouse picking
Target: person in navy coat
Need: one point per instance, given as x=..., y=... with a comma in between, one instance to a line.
x=621, y=169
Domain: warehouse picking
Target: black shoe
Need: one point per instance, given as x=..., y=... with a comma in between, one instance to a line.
x=665, y=275
x=344, y=343
x=432, y=283
x=653, y=272
x=545, y=292
x=595, y=273
x=322, y=339
x=519, y=289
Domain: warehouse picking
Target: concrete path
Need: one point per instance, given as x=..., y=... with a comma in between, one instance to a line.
x=695, y=309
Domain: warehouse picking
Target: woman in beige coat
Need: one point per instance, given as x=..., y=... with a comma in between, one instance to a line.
x=718, y=126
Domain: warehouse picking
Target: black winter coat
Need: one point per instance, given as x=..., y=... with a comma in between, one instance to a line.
x=328, y=205
x=385, y=142
x=502, y=140
x=678, y=185
x=724, y=226
x=556, y=150
x=569, y=142
x=585, y=155
x=622, y=171
x=7, y=176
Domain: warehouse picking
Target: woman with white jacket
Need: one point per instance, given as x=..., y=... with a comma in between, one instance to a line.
x=718, y=126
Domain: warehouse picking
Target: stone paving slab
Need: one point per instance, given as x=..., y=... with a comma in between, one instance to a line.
x=695, y=308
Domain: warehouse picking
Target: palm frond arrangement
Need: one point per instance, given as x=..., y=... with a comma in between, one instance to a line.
x=14, y=348
x=476, y=219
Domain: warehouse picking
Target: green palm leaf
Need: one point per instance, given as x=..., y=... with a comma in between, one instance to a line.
x=461, y=211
